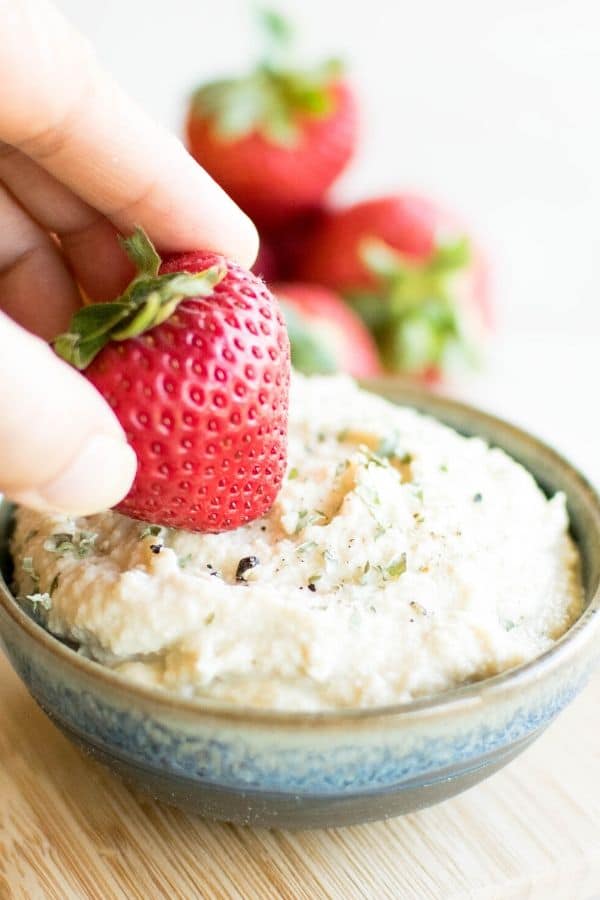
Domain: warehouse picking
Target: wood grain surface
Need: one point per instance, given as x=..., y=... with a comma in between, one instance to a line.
x=70, y=829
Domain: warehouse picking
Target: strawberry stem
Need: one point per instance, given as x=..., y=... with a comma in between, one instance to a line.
x=277, y=34
x=142, y=252
x=146, y=302
x=272, y=98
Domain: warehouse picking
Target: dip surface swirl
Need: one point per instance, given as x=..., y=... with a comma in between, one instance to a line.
x=400, y=560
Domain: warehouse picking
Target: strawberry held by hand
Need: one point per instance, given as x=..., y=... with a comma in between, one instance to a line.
x=276, y=139
x=325, y=335
x=407, y=268
x=194, y=360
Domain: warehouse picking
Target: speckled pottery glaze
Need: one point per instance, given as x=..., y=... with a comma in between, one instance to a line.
x=299, y=770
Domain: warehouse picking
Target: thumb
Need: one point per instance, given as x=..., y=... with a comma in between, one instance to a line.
x=61, y=447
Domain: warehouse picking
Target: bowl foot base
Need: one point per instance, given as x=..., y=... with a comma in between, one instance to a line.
x=265, y=809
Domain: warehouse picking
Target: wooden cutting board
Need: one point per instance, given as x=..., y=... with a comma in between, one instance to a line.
x=69, y=829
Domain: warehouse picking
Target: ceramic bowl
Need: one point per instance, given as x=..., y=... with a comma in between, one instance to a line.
x=331, y=768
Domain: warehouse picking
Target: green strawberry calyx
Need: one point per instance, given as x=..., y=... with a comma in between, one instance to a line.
x=413, y=311
x=309, y=354
x=148, y=300
x=273, y=98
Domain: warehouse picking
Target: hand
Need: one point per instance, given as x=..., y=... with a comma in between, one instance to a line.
x=78, y=162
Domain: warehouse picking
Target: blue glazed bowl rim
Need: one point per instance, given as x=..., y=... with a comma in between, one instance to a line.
x=582, y=633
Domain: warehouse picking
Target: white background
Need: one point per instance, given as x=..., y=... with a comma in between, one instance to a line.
x=491, y=105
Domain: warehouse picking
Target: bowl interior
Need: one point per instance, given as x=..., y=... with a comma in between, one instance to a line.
x=550, y=470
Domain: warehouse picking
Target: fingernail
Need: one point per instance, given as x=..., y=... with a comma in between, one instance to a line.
x=96, y=478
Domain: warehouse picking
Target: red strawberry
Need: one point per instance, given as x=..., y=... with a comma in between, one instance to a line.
x=406, y=266
x=325, y=335
x=288, y=242
x=194, y=360
x=277, y=138
x=266, y=265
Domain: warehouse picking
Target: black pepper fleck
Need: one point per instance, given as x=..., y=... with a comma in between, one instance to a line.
x=156, y=548
x=312, y=587
x=263, y=527
x=246, y=563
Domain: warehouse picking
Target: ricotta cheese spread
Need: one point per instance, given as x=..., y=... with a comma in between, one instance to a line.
x=401, y=559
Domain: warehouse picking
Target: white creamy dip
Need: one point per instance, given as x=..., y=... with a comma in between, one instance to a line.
x=399, y=560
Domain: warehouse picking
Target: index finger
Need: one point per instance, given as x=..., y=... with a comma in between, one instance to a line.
x=66, y=113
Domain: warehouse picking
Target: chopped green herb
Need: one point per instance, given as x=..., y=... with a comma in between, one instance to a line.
x=387, y=446
x=43, y=599
x=508, y=624
x=329, y=555
x=87, y=540
x=342, y=467
x=183, y=561
x=315, y=577
x=151, y=531
x=301, y=521
x=380, y=530
x=306, y=547
x=373, y=458
x=293, y=473
x=443, y=467
x=28, y=568
x=368, y=495
x=342, y=435
x=321, y=437
x=362, y=573
x=306, y=518
x=477, y=498
x=64, y=542
x=388, y=449
x=397, y=567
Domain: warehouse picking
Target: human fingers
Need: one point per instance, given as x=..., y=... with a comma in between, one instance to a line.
x=36, y=288
x=87, y=239
x=61, y=446
x=74, y=120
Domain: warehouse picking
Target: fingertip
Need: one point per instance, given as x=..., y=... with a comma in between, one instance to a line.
x=95, y=479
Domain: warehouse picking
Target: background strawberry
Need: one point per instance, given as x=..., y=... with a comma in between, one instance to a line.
x=325, y=335
x=277, y=138
x=194, y=360
x=406, y=266
x=286, y=245
x=266, y=265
